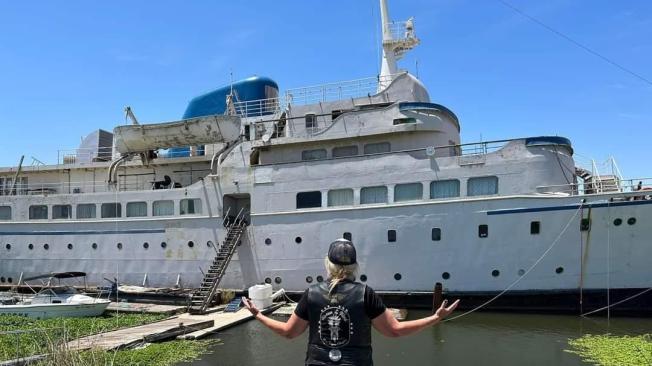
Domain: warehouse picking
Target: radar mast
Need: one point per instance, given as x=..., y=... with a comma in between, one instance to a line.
x=398, y=38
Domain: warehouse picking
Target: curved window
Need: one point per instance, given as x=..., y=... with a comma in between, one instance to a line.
x=110, y=210
x=5, y=212
x=163, y=208
x=191, y=206
x=136, y=209
x=60, y=212
x=86, y=211
x=342, y=151
x=38, y=212
x=408, y=192
x=482, y=186
x=317, y=154
x=340, y=197
x=445, y=188
x=376, y=194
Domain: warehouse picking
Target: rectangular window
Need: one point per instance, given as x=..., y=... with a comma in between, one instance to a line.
x=585, y=225
x=309, y=199
x=535, y=227
x=483, y=231
x=343, y=151
x=436, y=234
x=400, y=121
x=482, y=186
x=311, y=121
x=376, y=194
x=61, y=212
x=136, y=209
x=163, y=208
x=110, y=210
x=377, y=148
x=391, y=236
x=408, y=192
x=340, y=197
x=86, y=211
x=5, y=213
x=38, y=212
x=191, y=206
x=317, y=154
x=347, y=235
x=444, y=188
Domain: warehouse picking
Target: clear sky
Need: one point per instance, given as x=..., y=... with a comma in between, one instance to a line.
x=69, y=67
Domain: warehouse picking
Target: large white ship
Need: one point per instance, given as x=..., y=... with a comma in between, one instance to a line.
x=373, y=160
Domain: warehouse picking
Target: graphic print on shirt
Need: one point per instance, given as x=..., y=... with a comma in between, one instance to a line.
x=335, y=326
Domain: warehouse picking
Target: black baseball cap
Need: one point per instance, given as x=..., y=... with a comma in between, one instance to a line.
x=342, y=252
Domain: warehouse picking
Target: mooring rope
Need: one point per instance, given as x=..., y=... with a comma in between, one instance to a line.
x=545, y=253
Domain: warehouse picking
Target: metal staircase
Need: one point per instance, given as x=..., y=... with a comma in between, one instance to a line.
x=204, y=295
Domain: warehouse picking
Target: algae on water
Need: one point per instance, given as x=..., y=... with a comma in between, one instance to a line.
x=609, y=350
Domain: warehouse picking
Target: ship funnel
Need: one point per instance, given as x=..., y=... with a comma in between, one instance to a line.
x=398, y=38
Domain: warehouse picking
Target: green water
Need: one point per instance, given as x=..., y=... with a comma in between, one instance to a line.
x=477, y=339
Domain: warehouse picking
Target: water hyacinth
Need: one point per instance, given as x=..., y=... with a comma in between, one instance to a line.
x=609, y=350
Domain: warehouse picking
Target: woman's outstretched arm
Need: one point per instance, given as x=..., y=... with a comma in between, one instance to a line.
x=290, y=329
x=388, y=326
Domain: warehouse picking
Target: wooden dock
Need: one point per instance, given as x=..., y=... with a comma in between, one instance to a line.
x=142, y=308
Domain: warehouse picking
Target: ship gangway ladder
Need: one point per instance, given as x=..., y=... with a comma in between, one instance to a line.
x=203, y=296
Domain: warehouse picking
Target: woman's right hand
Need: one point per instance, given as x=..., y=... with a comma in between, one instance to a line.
x=250, y=306
x=444, y=311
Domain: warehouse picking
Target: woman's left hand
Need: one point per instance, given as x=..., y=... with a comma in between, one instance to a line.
x=250, y=306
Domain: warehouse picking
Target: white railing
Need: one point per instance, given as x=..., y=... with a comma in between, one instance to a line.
x=401, y=30
x=134, y=183
x=632, y=187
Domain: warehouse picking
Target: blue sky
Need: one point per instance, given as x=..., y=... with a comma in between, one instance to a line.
x=68, y=68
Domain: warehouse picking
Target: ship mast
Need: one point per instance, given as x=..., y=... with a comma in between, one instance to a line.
x=398, y=38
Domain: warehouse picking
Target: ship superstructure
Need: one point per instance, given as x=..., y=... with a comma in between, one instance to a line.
x=373, y=160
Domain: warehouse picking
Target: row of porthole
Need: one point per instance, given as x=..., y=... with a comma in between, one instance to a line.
x=630, y=221
x=297, y=240
x=8, y=280
x=46, y=246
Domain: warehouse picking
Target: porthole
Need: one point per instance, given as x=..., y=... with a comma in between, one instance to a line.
x=10, y=280
x=397, y=276
x=391, y=236
x=309, y=279
x=191, y=244
x=320, y=279
x=94, y=245
x=209, y=244
x=631, y=221
x=298, y=240
x=46, y=246
x=521, y=272
x=119, y=246
x=268, y=280
x=69, y=246
x=278, y=280
x=495, y=273
x=559, y=270
x=8, y=246
x=145, y=245
x=618, y=222
x=268, y=241
x=2, y=279
x=30, y=246
x=483, y=231
x=363, y=278
x=163, y=245
x=445, y=275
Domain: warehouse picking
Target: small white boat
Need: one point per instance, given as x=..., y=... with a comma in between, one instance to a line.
x=56, y=301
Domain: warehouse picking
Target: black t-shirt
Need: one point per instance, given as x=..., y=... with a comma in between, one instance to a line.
x=373, y=305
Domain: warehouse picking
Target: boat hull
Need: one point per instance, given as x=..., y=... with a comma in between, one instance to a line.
x=46, y=311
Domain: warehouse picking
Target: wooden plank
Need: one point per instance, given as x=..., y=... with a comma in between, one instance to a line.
x=135, y=307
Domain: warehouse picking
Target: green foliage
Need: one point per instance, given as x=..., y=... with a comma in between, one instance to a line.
x=608, y=350
x=43, y=333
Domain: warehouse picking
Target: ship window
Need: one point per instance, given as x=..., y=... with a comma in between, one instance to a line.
x=347, y=235
x=309, y=199
x=163, y=208
x=445, y=275
x=436, y=234
x=340, y=197
x=317, y=154
x=482, y=186
x=408, y=192
x=62, y=212
x=376, y=194
x=535, y=227
x=483, y=231
x=110, y=210
x=38, y=212
x=444, y=188
x=343, y=151
x=585, y=224
x=5, y=212
x=86, y=211
x=363, y=278
x=136, y=209
x=311, y=121
x=391, y=236
x=400, y=121
x=377, y=148
x=190, y=206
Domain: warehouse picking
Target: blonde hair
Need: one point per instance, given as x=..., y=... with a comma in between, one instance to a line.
x=337, y=273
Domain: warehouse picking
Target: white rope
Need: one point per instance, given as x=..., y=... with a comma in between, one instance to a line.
x=526, y=272
x=618, y=303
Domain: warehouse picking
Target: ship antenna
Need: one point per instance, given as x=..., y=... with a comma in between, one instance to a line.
x=398, y=38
